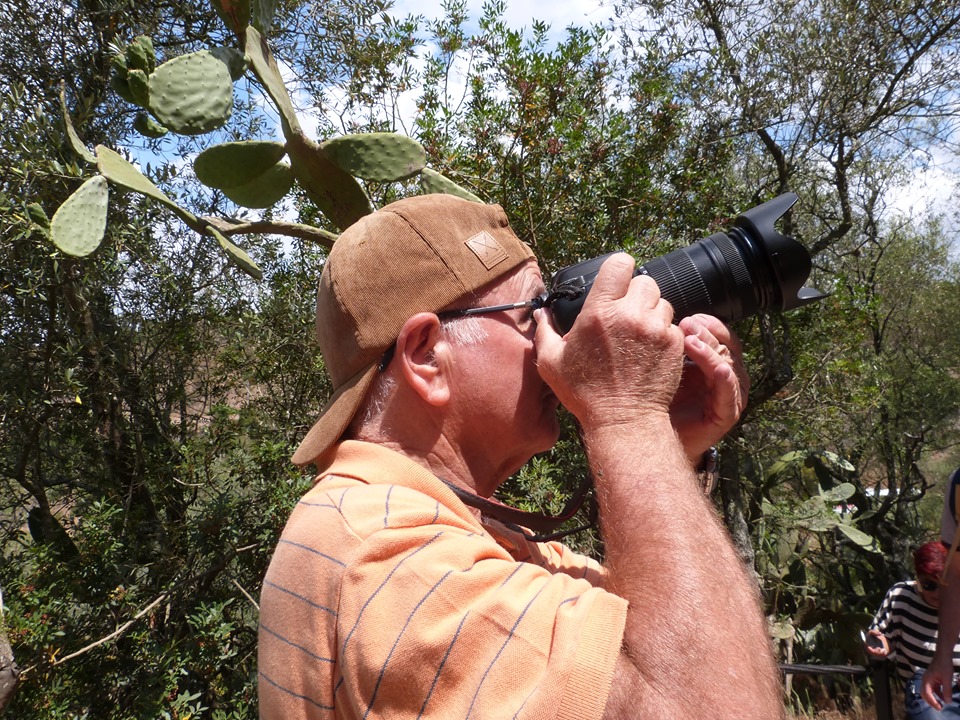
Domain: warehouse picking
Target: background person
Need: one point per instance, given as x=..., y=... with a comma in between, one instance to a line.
x=938, y=681
x=391, y=595
x=906, y=625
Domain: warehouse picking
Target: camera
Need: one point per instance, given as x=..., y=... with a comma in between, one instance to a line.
x=749, y=269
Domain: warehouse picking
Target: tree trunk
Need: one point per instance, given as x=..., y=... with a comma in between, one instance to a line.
x=9, y=672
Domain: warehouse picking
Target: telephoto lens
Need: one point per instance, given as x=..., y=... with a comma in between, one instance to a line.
x=749, y=269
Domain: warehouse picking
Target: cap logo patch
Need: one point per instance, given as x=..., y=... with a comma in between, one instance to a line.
x=487, y=249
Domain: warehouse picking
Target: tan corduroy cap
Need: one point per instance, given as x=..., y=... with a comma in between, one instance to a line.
x=416, y=255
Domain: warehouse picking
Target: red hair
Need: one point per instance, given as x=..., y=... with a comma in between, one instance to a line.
x=929, y=558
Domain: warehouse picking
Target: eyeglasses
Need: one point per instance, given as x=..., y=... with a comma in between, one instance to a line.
x=929, y=585
x=537, y=302
x=545, y=299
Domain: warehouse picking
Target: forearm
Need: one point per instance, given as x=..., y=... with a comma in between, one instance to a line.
x=949, y=615
x=695, y=640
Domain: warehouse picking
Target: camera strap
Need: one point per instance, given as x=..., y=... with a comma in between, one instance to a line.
x=518, y=520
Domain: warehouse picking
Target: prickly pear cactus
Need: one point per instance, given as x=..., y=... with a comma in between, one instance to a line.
x=192, y=94
x=237, y=256
x=264, y=190
x=268, y=73
x=433, y=182
x=38, y=215
x=381, y=157
x=236, y=163
x=236, y=62
x=234, y=13
x=140, y=55
x=131, y=68
x=336, y=192
x=139, y=87
x=75, y=142
x=146, y=125
x=120, y=172
x=78, y=225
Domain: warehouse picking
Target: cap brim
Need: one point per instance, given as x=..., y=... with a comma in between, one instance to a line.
x=335, y=417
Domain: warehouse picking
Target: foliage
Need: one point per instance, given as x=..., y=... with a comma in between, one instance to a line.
x=151, y=396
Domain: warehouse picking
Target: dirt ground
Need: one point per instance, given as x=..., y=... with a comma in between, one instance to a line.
x=858, y=710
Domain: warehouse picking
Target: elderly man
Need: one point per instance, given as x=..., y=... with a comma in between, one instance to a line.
x=939, y=680
x=390, y=596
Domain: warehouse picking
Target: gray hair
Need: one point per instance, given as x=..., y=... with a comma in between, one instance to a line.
x=460, y=332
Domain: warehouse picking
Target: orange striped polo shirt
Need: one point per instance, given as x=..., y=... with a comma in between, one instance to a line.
x=386, y=598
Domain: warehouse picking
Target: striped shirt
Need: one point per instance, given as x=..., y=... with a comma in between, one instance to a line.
x=910, y=626
x=386, y=598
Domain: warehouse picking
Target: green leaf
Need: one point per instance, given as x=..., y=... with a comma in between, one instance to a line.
x=821, y=524
x=783, y=630
x=79, y=224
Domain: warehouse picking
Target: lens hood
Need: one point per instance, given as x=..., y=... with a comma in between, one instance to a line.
x=752, y=268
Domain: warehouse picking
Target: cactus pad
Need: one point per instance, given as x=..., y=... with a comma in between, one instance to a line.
x=265, y=190
x=234, y=13
x=192, y=94
x=236, y=62
x=75, y=142
x=140, y=55
x=78, y=225
x=434, y=182
x=336, y=192
x=262, y=14
x=37, y=215
x=139, y=87
x=236, y=163
x=119, y=171
x=148, y=127
x=267, y=72
x=237, y=256
x=382, y=157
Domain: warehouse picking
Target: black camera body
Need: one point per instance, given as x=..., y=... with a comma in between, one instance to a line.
x=752, y=268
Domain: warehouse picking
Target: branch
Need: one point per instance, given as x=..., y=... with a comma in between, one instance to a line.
x=116, y=633
x=298, y=230
x=153, y=603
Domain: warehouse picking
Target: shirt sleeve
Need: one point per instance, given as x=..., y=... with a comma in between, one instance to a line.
x=887, y=619
x=439, y=622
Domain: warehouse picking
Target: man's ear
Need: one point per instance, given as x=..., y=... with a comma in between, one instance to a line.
x=416, y=358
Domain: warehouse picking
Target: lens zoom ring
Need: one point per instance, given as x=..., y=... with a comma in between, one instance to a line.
x=735, y=264
x=681, y=283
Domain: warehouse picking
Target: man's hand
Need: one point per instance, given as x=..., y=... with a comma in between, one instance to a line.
x=714, y=386
x=937, y=681
x=622, y=359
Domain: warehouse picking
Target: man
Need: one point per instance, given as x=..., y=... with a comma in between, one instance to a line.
x=390, y=597
x=938, y=681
